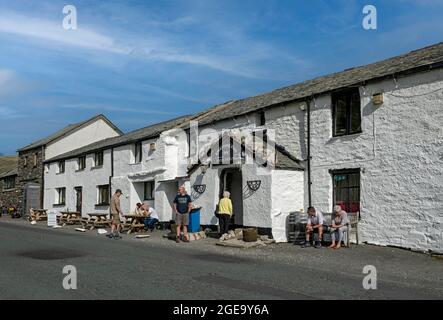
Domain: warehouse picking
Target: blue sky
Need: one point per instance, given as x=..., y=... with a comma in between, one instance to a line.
x=140, y=62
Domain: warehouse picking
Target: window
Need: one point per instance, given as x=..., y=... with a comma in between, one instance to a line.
x=60, y=196
x=25, y=161
x=347, y=189
x=35, y=160
x=81, y=163
x=61, y=167
x=261, y=118
x=346, y=112
x=138, y=152
x=103, y=195
x=9, y=183
x=98, y=159
x=149, y=190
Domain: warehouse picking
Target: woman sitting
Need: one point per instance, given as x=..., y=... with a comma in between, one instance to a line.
x=338, y=227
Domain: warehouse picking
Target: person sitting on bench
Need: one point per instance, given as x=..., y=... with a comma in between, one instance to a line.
x=151, y=217
x=338, y=227
x=314, y=225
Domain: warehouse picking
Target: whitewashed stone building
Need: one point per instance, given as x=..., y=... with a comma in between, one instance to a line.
x=369, y=139
x=141, y=163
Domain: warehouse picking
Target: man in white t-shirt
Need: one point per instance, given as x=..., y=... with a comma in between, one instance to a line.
x=151, y=217
x=314, y=225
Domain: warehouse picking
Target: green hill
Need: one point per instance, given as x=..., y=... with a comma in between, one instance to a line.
x=8, y=163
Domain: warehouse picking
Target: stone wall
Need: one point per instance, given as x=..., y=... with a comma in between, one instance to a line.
x=29, y=173
x=8, y=197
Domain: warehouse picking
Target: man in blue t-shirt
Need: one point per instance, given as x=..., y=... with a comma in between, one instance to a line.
x=182, y=207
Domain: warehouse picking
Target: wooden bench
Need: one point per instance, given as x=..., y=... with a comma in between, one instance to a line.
x=134, y=223
x=96, y=220
x=297, y=223
x=37, y=214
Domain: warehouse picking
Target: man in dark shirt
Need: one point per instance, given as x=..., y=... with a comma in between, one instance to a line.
x=182, y=207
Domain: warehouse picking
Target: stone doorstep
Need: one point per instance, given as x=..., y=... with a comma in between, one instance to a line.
x=192, y=236
x=235, y=243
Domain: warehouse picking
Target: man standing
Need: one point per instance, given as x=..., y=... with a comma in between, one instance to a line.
x=314, y=225
x=115, y=212
x=182, y=208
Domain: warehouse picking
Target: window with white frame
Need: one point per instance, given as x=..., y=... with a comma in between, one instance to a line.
x=149, y=190
x=81, y=163
x=60, y=196
x=103, y=195
x=98, y=159
x=61, y=167
x=138, y=152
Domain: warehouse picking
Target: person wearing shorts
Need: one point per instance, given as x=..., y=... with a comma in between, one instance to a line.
x=115, y=213
x=182, y=207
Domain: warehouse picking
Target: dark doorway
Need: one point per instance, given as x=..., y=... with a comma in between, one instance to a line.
x=231, y=180
x=31, y=197
x=78, y=199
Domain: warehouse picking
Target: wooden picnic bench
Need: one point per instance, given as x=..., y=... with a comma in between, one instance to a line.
x=69, y=217
x=96, y=220
x=297, y=224
x=134, y=222
x=38, y=214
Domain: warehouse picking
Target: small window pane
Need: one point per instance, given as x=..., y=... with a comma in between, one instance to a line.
x=340, y=117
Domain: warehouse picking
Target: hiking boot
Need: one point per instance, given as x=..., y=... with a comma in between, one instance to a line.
x=306, y=245
x=177, y=239
x=317, y=244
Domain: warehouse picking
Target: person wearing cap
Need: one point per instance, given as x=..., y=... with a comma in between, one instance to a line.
x=115, y=213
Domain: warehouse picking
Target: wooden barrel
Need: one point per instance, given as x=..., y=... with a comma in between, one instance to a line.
x=250, y=235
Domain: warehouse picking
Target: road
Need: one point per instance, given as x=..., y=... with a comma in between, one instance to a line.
x=33, y=257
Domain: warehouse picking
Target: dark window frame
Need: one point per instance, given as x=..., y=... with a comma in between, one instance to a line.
x=81, y=163
x=348, y=96
x=98, y=159
x=101, y=201
x=138, y=152
x=61, y=166
x=152, y=187
x=61, y=196
x=347, y=172
x=9, y=183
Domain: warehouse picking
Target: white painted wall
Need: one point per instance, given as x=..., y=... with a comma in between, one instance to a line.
x=89, y=179
x=400, y=155
x=93, y=132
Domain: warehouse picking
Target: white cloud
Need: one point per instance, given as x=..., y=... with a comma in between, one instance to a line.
x=106, y=108
x=54, y=32
x=236, y=54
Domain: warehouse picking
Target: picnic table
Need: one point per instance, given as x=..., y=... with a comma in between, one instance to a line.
x=70, y=217
x=96, y=220
x=134, y=222
x=38, y=214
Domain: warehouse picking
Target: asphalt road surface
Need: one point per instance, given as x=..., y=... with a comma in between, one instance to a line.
x=32, y=259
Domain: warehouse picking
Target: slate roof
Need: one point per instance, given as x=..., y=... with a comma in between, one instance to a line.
x=9, y=173
x=414, y=61
x=66, y=130
x=131, y=137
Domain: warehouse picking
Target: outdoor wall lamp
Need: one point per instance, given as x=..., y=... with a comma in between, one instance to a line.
x=199, y=188
x=254, y=185
x=377, y=99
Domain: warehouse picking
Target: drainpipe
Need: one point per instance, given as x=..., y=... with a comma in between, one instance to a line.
x=42, y=184
x=308, y=110
x=110, y=178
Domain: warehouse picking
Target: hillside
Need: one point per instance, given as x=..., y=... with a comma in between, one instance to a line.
x=7, y=163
